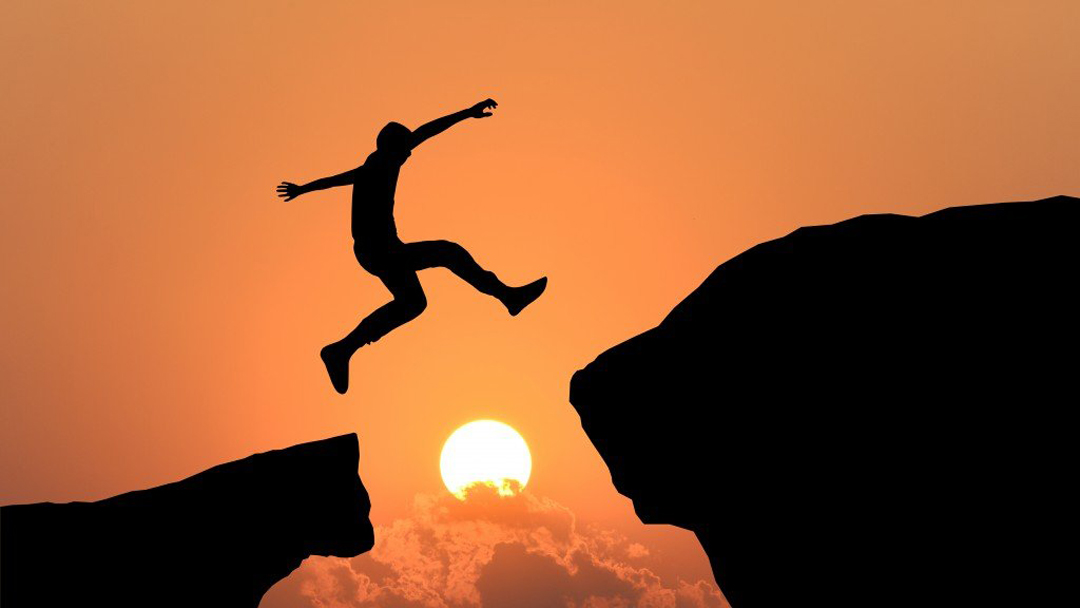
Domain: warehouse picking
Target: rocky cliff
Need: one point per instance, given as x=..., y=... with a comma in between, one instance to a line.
x=874, y=412
x=219, y=538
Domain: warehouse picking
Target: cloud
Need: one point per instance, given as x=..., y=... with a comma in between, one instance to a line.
x=489, y=551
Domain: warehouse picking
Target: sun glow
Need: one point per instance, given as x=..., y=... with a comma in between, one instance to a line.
x=485, y=452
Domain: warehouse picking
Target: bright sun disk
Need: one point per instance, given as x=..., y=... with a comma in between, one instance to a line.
x=486, y=452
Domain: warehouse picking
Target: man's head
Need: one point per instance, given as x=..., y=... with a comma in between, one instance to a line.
x=394, y=137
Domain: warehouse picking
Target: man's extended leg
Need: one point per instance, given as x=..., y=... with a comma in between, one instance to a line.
x=450, y=255
x=408, y=303
x=446, y=254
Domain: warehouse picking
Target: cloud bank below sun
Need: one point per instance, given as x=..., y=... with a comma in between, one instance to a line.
x=492, y=551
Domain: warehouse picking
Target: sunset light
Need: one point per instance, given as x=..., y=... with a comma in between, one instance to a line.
x=487, y=452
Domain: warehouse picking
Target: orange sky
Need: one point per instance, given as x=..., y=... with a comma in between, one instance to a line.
x=163, y=310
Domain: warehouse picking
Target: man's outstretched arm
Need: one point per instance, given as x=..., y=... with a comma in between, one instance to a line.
x=421, y=134
x=289, y=190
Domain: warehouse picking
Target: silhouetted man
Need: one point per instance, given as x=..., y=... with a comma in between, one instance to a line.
x=381, y=252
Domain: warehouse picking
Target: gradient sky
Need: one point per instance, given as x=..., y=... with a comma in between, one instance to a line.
x=163, y=310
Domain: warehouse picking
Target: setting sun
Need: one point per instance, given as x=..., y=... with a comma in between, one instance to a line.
x=487, y=452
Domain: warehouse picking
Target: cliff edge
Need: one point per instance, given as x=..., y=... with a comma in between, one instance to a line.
x=868, y=413
x=219, y=538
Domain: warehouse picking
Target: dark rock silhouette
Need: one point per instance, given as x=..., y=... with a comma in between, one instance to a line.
x=869, y=413
x=219, y=538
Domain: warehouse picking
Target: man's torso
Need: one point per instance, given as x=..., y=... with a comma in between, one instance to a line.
x=373, y=201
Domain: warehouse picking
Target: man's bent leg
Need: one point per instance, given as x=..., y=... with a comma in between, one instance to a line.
x=409, y=301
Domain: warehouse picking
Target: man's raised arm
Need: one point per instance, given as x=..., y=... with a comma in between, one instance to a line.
x=422, y=133
x=289, y=190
